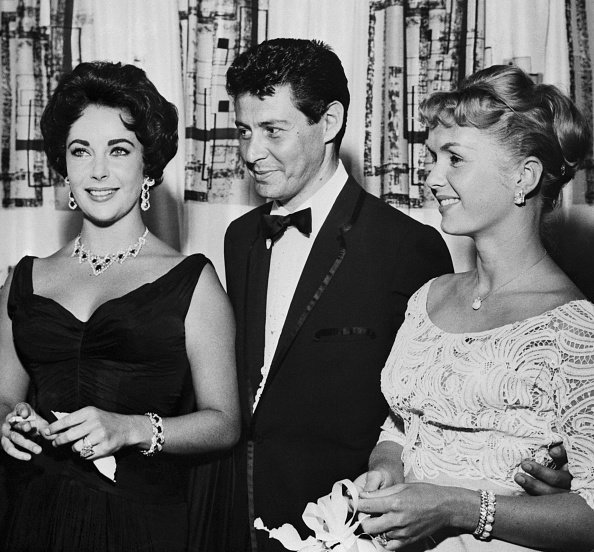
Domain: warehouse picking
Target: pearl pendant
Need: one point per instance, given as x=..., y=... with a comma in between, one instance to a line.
x=477, y=303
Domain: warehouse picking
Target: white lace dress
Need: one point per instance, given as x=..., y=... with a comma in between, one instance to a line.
x=468, y=408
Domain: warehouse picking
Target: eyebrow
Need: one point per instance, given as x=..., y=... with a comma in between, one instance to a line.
x=272, y=122
x=448, y=145
x=118, y=140
x=109, y=143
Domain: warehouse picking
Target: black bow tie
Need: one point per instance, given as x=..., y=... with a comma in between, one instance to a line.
x=274, y=226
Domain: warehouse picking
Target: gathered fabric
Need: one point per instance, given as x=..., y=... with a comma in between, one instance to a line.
x=129, y=358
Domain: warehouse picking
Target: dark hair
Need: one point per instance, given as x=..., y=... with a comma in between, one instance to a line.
x=527, y=118
x=310, y=67
x=152, y=118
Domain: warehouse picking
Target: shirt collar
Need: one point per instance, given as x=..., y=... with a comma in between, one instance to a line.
x=321, y=202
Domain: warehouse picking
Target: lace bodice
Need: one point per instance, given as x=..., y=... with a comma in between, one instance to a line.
x=474, y=405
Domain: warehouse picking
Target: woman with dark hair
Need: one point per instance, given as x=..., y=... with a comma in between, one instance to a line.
x=122, y=346
x=493, y=366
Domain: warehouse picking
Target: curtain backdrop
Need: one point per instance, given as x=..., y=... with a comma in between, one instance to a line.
x=216, y=187
x=29, y=62
x=393, y=51
x=580, y=21
x=212, y=36
x=415, y=48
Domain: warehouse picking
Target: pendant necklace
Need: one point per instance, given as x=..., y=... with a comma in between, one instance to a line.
x=478, y=300
x=100, y=263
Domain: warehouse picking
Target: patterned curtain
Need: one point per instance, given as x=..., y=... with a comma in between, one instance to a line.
x=415, y=47
x=580, y=15
x=213, y=32
x=33, y=53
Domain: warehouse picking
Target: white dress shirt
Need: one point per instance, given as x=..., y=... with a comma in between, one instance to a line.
x=288, y=257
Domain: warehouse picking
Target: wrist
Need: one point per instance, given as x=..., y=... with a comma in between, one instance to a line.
x=464, y=509
x=140, y=433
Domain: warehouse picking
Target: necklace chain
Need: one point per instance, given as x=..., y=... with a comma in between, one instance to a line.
x=100, y=263
x=478, y=300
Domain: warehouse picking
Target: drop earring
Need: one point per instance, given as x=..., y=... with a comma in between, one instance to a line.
x=520, y=197
x=145, y=193
x=71, y=201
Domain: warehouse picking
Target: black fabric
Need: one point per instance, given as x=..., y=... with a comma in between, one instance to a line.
x=274, y=226
x=130, y=358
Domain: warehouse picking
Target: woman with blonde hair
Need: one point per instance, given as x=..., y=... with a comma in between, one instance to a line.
x=495, y=365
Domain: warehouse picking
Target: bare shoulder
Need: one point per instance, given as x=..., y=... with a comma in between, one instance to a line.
x=445, y=287
x=554, y=290
x=209, y=287
x=5, y=288
x=568, y=291
x=160, y=257
x=210, y=305
x=55, y=265
x=446, y=305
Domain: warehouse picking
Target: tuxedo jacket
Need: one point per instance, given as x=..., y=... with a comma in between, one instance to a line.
x=320, y=413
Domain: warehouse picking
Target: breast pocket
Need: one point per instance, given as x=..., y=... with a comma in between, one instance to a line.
x=354, y=333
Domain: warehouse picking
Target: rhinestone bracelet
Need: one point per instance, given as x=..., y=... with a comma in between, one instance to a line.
x=158, y=438
x=486, y=516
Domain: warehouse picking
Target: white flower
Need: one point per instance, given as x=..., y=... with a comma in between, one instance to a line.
x=333, y=521
x=288, y=536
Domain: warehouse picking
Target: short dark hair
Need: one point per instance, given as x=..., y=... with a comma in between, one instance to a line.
x=126, y=87
x=527, y=118
x=310, y=67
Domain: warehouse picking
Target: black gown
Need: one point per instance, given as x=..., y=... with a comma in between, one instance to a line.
x=130, y=358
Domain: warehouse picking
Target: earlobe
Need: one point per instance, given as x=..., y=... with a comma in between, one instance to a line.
x=333, y=118
x=519, y=197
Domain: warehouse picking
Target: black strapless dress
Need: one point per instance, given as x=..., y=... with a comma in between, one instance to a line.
x=130, y=358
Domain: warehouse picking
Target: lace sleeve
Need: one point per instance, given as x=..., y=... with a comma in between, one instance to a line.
x=575, y=394
x=392, y=430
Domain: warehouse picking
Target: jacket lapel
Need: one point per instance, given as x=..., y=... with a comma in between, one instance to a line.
x=258, y=266
x=323, y=262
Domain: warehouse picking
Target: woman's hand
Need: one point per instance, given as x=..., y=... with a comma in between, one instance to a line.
x=375, y=479
x=99, y=432
x=405, y=513
x=21, y=428
x=541, y=480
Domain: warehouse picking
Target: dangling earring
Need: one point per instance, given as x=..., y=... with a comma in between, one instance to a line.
x=520, y=197
x=145, y=193
x=71, y=201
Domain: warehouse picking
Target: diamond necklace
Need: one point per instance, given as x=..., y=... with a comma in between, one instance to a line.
x=478, y=300
x=100, y=263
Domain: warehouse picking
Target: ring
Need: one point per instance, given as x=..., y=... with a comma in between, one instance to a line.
x=87, y=449
x=382, y=538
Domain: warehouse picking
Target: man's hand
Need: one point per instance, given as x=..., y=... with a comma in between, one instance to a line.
x=540, y=480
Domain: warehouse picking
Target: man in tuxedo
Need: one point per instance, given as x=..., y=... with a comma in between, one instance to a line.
x=319, y=278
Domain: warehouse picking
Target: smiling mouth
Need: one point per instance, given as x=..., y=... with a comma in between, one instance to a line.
x=262, y=176
x=262, y=172
x=101, y=194
x=449, y=201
